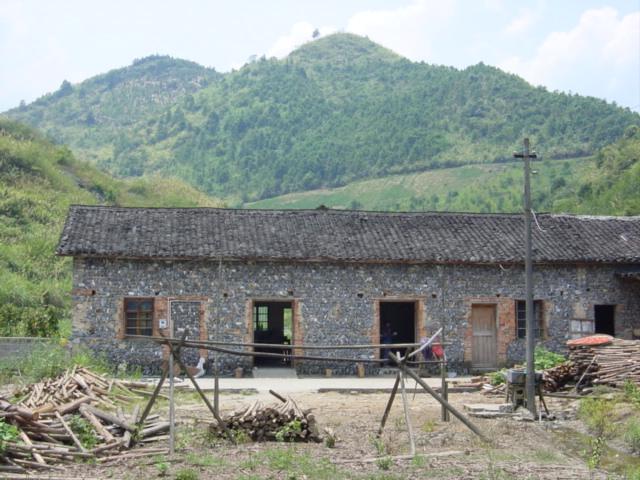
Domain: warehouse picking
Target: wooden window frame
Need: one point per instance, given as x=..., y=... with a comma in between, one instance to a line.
x=538, y=313
x=139, y=330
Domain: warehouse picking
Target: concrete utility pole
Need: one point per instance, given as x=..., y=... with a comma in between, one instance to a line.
x=528, y=278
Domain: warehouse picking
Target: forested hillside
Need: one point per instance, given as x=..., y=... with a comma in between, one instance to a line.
x=95, y=116
x=605, y=184
x=38, y=182
x=337, y=110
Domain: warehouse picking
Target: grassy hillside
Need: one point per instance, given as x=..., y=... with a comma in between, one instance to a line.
x=335, y=111
x=473, y=188
x=38, y=182
x=606, y=184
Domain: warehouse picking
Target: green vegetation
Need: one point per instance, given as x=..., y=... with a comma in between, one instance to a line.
x=607, y=184
x=8, y=433
x=336, y=110
x=599, y=417
x=84, y=431
x=632, y=435
x=38, y=182
x=545, y=359
x=49, y=360
x=632, y=393
x=289, y=431
x=187, y=474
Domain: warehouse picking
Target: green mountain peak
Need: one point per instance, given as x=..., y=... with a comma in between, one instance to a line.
x=341, y=48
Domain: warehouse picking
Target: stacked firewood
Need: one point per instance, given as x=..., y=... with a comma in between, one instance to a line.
x=58, y=421
x=609, y=364
x=283, y=422
x=557, y=377
x=75, y=386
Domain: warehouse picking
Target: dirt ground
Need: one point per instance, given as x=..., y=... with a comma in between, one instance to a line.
x=446, y=450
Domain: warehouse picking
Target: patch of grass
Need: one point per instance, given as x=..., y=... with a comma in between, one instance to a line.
x=379, y=445
x=384, y=463
x=546, y=456
x=418, y=461
x=161, y=465
x=187, y=474
x=429, y=425
x=205, y=460
x=599, y=417
x=632, y=393
x=632, y=435
x=296, y=464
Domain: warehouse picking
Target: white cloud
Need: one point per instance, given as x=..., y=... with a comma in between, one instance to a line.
x=408, y=30
x=525, y=19
x=601, y=51
x=300, y=33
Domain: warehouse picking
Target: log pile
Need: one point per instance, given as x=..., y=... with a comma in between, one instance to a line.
x=75, y=386
x=283, y=422
x=58, y=421
x=609, y=364
x=553, y=379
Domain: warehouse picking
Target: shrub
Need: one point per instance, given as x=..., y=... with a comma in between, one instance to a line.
x=8, y=433
x=497, y=378
x=598, y=415
x=546, y=359
x=84, y=431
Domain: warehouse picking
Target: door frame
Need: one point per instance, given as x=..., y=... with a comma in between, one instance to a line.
x=496, y=329
x=296, y=330
x=419, y=315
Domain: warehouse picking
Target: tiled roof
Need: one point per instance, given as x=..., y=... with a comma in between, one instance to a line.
x=338, y=235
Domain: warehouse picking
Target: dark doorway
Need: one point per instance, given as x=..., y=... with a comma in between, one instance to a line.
x=397, y=323
x=604, y=316
x=272, y=323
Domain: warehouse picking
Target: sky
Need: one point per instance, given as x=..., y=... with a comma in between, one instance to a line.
x=589, y=47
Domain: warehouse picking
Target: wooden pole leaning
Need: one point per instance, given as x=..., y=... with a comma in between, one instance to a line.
x=407, y=417
x=435, y=395
x=387, y=409
x=176, y=357
x=156, y=392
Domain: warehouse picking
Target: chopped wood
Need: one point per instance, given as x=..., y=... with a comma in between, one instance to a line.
x=46, y=417
x=282, y=421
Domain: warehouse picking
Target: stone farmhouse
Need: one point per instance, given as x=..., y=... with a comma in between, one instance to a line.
x=344, y=277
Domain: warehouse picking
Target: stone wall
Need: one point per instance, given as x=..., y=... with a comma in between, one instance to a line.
x=337, y=303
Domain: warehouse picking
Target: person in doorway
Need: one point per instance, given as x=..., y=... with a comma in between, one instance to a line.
x=387, y=336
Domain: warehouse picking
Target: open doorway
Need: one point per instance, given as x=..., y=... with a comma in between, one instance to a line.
x=397, y=323
x=604, y=316
x=272, y=323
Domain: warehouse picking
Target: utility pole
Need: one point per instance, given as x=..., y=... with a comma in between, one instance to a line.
x=528, y=278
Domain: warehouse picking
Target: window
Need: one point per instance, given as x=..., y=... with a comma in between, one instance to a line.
x=138, y=316
x=261, y=318
x=521, y=319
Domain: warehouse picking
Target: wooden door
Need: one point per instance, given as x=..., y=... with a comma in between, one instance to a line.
x=484, y=342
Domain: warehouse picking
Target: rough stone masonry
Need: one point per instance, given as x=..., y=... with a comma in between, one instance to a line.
x=337, y=303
